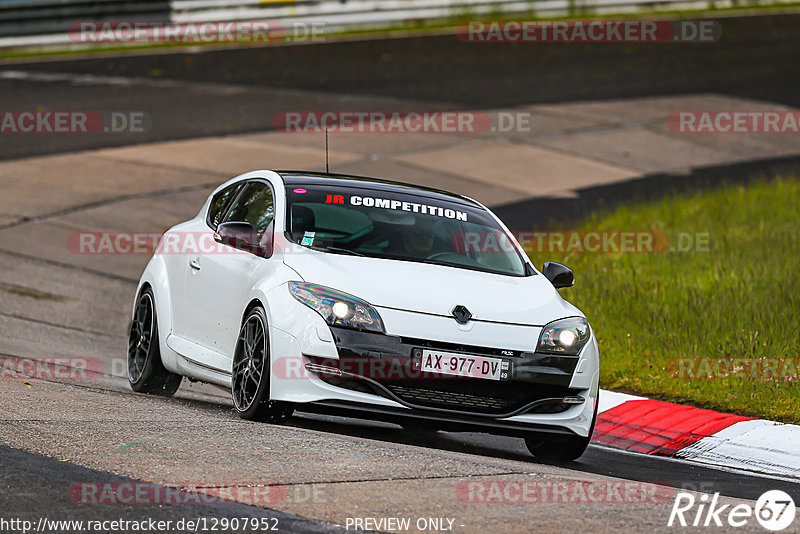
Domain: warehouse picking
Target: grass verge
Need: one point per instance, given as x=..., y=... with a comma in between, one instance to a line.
x=413, y=27
x=713, y=326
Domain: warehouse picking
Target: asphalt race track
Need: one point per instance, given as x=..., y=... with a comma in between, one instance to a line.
x=32, y=482
x=197, y=93
x=58, y=433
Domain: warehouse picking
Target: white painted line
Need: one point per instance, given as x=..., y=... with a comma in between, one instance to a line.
x=684, y=461
x=612, y=399
x=760, y=446
x=124, y=81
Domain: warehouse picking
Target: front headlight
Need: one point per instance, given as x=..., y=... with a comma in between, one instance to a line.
x=337, y=308
x=565, y=336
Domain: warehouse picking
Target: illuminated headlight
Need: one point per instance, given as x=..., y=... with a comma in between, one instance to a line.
x=337, y=308
x=565, y=336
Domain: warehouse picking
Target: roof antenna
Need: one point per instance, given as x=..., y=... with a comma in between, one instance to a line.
x=327, y=164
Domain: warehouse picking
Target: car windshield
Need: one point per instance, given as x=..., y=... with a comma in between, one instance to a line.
x=401, y=226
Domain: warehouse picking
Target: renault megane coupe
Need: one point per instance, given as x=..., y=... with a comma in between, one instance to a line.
x=366, y=298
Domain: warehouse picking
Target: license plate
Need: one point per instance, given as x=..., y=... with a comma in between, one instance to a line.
x=466, y=365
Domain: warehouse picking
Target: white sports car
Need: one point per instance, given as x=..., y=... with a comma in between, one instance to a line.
x=374, y=299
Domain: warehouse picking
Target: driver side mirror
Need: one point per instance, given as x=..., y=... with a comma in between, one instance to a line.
x=241, y=236
x=559, y=275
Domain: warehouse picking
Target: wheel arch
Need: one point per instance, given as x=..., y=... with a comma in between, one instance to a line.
x=254, y=303
x=155, y=278
x=265, y=409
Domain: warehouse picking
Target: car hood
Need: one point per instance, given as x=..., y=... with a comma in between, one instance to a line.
x=434, y=289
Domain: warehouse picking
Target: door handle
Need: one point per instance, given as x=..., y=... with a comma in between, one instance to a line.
x=195, y=264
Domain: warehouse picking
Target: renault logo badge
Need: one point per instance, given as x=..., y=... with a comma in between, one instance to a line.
x=462, y=314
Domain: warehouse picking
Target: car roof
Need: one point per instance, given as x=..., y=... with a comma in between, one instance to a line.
x=292, y=178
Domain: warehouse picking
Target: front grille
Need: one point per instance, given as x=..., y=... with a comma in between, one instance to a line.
x=479, y=396
x=449, y=399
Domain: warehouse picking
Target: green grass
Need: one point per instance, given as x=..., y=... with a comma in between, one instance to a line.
x=459, y=16
x=740, y=299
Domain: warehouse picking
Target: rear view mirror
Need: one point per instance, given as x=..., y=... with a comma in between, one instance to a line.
x=241, y=236
x=559, y=275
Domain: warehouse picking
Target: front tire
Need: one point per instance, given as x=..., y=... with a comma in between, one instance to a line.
x=146, y=372
x=250, y=373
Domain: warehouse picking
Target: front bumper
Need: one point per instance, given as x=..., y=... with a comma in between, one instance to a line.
x=388, y=366
x=335, y=370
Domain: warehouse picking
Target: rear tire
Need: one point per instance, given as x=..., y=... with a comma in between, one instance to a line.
x=561, y=451
x=146, y=372
x=250, y=373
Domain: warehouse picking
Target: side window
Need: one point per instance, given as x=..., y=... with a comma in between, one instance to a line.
x=218, y=204
x=255, y=205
